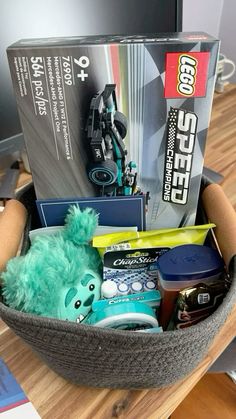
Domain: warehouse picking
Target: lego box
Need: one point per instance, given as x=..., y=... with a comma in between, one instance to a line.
x=118, y=115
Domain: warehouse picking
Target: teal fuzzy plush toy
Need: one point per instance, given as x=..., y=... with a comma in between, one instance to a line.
x=60, y=275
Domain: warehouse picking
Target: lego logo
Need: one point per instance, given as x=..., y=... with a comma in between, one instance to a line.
x=187, y=71
x=186, y=74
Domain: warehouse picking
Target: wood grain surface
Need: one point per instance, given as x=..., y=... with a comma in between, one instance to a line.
x=54, y=398
x=220, y=153
x=216, y=399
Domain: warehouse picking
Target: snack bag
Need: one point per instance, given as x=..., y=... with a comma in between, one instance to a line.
x=169, y=237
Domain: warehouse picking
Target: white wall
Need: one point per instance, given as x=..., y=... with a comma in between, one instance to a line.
x=203, y=15
x=218, y=18
x=227, y=32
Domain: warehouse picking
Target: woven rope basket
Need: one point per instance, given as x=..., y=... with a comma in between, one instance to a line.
x=112, y=358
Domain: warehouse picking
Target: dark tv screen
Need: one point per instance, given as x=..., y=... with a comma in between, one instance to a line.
x=26, y=19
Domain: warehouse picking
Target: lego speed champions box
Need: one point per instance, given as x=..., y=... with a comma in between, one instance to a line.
x=118, y=116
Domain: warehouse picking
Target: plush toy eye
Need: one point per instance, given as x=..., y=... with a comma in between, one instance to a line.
x=91, y=287
x=77, y=304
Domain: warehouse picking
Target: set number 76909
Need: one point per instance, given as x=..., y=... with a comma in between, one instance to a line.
x=81, y=66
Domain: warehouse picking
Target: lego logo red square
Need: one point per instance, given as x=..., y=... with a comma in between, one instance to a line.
x=186, y=74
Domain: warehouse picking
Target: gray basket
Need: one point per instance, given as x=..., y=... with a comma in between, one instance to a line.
x=118, y=359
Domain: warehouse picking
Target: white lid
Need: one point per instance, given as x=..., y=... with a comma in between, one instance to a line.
x=108, y=289
x=136, y=286
x=123, y=288
x=150, y=285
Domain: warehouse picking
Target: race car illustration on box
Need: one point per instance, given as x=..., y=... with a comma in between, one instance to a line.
x=106, y=130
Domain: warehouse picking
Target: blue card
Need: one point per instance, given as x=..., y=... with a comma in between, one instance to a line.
x=118, y=211
x=11, y=394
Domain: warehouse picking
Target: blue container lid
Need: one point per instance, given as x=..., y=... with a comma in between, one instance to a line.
x=189, y=262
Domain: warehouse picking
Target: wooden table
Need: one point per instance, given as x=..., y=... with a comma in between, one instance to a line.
x=54, y=398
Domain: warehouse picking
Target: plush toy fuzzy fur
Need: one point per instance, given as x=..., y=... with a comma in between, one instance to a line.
x=60, y=274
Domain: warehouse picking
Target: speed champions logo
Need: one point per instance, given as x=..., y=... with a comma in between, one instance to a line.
x=181, y=135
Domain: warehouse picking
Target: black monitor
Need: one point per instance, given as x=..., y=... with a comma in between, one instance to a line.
x=27, y=19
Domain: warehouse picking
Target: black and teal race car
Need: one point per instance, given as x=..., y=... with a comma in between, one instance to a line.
x=106, y=130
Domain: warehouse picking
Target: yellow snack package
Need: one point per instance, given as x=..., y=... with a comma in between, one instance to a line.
x=168, y=237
